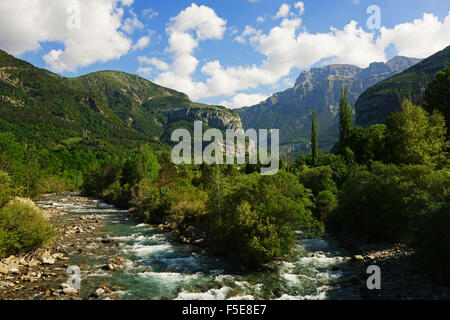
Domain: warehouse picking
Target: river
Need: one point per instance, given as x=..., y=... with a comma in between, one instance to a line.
x=154, y=268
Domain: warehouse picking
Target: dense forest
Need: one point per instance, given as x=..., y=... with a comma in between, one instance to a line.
x=384, y=183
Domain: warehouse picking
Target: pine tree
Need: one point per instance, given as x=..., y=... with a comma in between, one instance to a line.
x=315, y=137
x=346, y=117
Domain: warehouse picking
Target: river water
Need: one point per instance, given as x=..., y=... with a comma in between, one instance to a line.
x=155, y=268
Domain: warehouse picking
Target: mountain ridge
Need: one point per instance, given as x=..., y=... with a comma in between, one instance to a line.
x=290, y=110
x=379, y=101
x=119, y=103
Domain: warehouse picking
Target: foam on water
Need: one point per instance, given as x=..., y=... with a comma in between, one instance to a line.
x=213, y=294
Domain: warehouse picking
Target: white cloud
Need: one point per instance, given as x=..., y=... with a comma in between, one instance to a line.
x=132, y=23
x=24, y=25
x=285, y=47
x=150, y=13
x=301, y=7
x=420, y=39
x=260, y=19
x=249, y=32
x=186, y=31
x=142, y=43
x=145, y=71
x=244, y=100
x=283, y=12
x=157, y=63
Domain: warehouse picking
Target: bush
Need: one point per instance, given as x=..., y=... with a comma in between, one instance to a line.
x=337, y=163
x=415, y=136
x=318, y=179
x=253, y=218
x=432, y=241
x=326, y=202
x=152, y=202
x=384, y=203
x=6, y=190
x=22, y=229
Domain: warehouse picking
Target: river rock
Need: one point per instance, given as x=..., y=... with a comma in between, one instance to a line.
x=49, y=261
x=70, y=291
x=358, y=258
x=100, y=292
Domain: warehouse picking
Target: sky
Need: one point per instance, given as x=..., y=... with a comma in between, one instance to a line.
x=233, y=53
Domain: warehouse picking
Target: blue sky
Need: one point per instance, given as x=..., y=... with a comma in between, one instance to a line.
x=233, y=53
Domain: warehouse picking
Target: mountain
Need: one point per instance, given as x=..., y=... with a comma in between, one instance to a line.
x=37, y=106
x=147, y=107
x=290, y=111
x=378, y=102
x=114, y=107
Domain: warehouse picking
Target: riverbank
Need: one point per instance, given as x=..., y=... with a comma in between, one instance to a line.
x=36, y=275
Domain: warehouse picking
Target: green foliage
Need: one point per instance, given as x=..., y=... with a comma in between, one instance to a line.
x=6, y=190
x=368, y=144
x=345, y=117
x=437, y=96
x=384, y=203
x=377, y=103
x=337, y=163
x=325, y=204
x=253, y=218
x=153, y=202
x=432, y=240
x=318, y=179
x=315, y=137
x=22, y=229
x=415, y=137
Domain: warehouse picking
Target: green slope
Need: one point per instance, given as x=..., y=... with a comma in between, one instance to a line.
x=378, y=102
x=38, y=106
x=113, y=107
x=147, y=107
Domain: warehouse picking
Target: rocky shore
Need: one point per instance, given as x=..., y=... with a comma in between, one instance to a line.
x=42, y=273
x=401, y=278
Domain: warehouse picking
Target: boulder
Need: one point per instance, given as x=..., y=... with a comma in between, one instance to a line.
x=49, y=261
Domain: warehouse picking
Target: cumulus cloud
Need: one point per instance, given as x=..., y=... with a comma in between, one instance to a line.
x=283, y=12
x=286, y=46
x=301, y=7
x=150, y=13
x=244, y=100
x=142, y=43
x=26, y=24
x=186, y=31
x=132, y=23
x=421, y=38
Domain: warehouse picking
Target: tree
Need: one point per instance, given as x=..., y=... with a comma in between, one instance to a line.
x=368, y=144
x=437, y=96
x=315, y=137
x=415, y=136
x=345, y=117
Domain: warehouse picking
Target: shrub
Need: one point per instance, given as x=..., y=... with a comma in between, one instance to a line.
x=432, y=241
x=415, y=136
x=384, y=203
x=22, y=229
x=326, y=202
x=152, y=202
x=318, y=179
x=6, y=190
x=253, y=218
